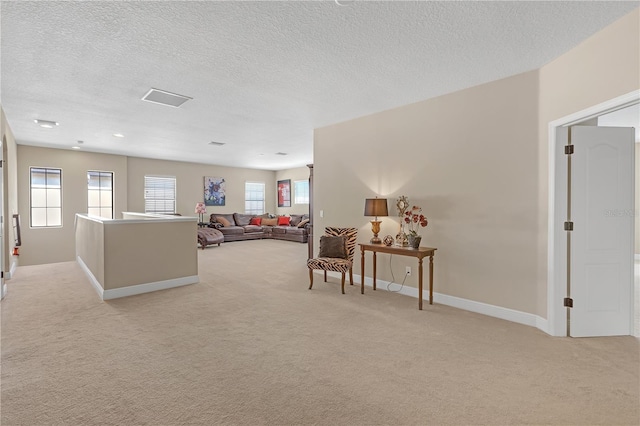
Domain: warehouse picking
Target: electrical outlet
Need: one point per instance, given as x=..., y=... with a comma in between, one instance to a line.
x=408, y=271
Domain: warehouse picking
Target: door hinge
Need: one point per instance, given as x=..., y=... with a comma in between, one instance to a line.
x=568, y=302
x=568, y=149
x=568, y=226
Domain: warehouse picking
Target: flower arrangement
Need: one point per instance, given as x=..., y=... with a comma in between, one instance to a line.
x=414, y=219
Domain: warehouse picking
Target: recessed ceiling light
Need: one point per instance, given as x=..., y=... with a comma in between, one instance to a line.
x=281, y=153
x=118, y=135
x=163, y=97
x=75, y=147
x=216, y=143
x=46, y=123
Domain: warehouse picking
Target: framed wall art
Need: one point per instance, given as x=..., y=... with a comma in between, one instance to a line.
x=284, y=193
x=214, y=191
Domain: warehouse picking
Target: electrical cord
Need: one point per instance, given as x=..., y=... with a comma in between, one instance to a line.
x=393, y=279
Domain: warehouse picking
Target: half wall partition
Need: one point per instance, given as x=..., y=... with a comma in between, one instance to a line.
x=123, y=257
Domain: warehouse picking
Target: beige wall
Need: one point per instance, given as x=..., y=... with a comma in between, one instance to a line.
x=10, y=193
x=299, y=173
x=477, y=162
x=49, y=245
x=468, y=159
x=190, y=184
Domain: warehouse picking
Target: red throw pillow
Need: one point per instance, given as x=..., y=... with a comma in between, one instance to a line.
x=283, y=220
x=255, y=221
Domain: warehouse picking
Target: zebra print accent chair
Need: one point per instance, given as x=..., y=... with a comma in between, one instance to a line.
x=336, y=264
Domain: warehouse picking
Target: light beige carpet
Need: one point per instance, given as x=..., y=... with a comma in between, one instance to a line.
x=250, y=345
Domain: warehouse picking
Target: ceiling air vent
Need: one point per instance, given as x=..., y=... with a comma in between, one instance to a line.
x=46, y=123
x=163, y=97
x=216, y=143
x=281, y=153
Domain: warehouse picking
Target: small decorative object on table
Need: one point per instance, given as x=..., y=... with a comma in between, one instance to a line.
x=414, y=240
x=402, y=204
x=388, y=240
x=413, y=220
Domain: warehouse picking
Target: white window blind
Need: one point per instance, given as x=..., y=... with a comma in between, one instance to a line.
x=254, y=198
x=160, y=194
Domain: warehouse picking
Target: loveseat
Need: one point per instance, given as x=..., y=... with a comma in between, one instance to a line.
x=236, y=226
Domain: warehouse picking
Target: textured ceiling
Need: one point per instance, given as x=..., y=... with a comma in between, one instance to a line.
x=262, y=75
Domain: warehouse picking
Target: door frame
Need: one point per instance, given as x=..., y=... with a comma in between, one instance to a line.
x=556, y=237
x=3, y=286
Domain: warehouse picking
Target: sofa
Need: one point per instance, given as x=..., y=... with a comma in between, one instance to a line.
x=209, y=237
x=237, y=226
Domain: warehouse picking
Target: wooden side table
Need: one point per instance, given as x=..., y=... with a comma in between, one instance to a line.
x=419, y=253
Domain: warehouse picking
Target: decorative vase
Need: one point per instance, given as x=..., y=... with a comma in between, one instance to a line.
x=414, y=240
x=401, y=237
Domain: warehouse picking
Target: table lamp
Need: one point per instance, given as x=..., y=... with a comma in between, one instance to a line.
x=375, y=207
x=201, y=209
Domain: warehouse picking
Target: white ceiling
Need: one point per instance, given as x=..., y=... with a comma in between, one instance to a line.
x=262, y=75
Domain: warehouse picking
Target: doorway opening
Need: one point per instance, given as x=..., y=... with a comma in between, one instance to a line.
x=556, y=266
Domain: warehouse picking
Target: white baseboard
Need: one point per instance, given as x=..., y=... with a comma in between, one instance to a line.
x=457, y=302
x=92, y=279
x=149, y=287
x=3, y=291
x=138, y=288
x=11, y=271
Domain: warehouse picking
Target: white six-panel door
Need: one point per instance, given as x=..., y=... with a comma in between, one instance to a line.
x=602, y=211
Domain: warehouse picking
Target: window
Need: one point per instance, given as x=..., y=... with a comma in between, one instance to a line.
x=46, y=197
x=100, y=194
x=159, y=194
x=254, y=198
x=301, y=192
